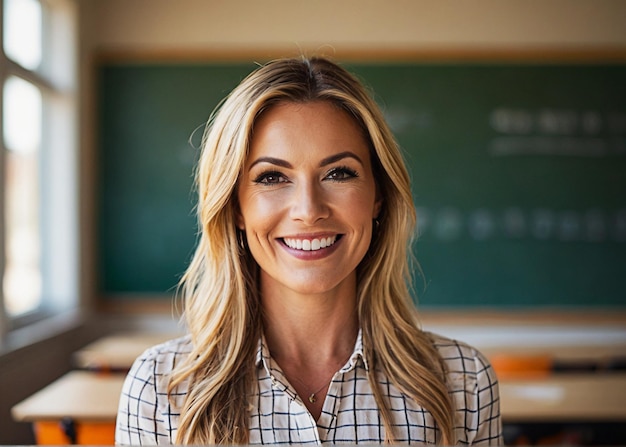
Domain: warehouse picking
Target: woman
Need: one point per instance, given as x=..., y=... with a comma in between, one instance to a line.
x=302, y=328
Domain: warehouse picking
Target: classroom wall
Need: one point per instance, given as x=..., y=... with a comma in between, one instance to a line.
x=356, y=24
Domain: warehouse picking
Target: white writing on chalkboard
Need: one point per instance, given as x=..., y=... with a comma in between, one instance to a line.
x=578, y=147
x=482, y=224
x=563, y=132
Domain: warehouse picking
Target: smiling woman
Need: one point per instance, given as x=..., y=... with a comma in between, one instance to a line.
x=302, y=328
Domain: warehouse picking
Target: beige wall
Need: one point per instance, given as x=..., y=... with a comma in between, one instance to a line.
x=355, y=25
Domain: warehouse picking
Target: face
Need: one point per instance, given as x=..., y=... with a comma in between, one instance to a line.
x=307, y=198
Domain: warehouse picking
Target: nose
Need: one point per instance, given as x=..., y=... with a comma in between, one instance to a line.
x=309, y=203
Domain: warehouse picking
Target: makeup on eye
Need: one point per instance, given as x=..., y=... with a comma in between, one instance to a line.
x=270, y=178
x=335, y=174
x=341, y=174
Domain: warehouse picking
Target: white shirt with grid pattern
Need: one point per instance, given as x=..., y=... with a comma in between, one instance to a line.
x=147, y=416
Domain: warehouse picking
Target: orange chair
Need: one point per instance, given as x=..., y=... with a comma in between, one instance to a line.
x=522, y=365
x=66, y=432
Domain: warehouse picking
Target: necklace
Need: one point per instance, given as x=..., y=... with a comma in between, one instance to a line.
x=312, y=397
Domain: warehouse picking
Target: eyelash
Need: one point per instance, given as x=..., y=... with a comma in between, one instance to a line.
x=346, y=173
x=264, y=176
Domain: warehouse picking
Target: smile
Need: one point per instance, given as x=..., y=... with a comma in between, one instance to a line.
x=310, y=244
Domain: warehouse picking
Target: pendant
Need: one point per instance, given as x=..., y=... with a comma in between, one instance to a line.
x=312, y=398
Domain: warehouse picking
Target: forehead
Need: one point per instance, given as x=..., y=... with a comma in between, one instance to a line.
x=310, y=126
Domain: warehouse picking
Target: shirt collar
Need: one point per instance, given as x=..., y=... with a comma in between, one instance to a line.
x=263, y=355
x=357, y=355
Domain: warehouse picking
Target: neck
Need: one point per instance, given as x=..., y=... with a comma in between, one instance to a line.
x=310, y=336
x=310, y=329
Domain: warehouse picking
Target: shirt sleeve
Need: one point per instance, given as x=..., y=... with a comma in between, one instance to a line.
x=487, y=395
x=139, y=417
x=473, y=386
x=137, y=402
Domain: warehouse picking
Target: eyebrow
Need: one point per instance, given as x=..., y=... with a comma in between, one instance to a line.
x=325, y=162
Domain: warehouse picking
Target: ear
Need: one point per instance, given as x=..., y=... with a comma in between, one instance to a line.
x=239, y=219
x=377, y=207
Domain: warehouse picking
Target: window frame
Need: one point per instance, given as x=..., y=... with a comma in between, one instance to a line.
x=57, y=79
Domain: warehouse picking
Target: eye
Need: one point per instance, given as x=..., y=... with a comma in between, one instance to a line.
x=341, y=174
x=270, y=178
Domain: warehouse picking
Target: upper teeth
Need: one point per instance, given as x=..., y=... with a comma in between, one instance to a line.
x=310, y=244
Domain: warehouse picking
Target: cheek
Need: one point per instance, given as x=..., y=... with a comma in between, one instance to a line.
x=361, y=205
x=259, y=214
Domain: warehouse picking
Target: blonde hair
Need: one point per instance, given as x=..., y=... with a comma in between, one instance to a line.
x=220, y=286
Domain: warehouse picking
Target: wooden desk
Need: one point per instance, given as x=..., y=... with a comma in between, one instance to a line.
x=91, y=401
x=117, y=352
x=565, y=398
x=541, y=347
x=85, y=400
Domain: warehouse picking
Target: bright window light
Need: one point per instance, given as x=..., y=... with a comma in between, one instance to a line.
x=22, y=116
x=22, y=111
x=22, y=32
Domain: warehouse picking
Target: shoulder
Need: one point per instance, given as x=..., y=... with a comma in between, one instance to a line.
x=145, y=413
x=473, y=386
x=460, y=357
x=470, y=378
x=167, y=351
x=157, y=362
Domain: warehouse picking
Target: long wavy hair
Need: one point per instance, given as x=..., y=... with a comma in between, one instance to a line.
x=220, y=290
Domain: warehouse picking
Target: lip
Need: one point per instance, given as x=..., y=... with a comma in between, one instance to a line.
x=311, y=254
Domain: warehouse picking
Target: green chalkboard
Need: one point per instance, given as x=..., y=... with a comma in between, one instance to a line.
x=519, y=176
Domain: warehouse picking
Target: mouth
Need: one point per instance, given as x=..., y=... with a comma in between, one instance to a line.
x=313, y=244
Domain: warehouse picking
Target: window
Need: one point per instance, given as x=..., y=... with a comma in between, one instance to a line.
x=22, y=244
x=38, y=198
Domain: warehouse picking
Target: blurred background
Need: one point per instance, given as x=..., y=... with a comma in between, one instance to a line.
x=512, y=119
